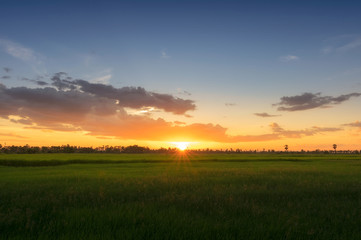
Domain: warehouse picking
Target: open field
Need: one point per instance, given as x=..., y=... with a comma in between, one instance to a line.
x=159, y=196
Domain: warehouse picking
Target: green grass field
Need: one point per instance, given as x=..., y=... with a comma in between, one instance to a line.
x=156, y=196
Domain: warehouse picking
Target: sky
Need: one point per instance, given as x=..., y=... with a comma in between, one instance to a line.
x=216, y=74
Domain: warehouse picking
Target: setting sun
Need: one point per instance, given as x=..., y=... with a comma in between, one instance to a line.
x=181, y=145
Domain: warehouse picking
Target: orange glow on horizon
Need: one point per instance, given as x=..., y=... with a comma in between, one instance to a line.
x=15, y=134
x=181, y=145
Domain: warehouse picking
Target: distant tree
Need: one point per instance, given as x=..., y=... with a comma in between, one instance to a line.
x=1, y=146
x=334, y=147
x=286, y=148
x=136, y=149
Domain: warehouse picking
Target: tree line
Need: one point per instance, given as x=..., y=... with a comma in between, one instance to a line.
x=26, y=149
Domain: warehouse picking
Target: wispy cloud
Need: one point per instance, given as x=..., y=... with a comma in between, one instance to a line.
x=278, y=130
x=6, y=69
x=356, y=124
x=349, y=46
x=308, y=100
x=88, y=59
x=230, y=104
x=289, y=58
x=28, y=55
x=104, y=79
x=13, y=135
x=18, y=51
x=342, y=43
x=179, y=123
x=183, y=92
x=103, y=76
x=164, y=54
x=265, y=115
x=327, y=50
x=38, y=81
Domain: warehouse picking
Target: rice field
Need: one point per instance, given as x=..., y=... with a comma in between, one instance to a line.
x=179, y=196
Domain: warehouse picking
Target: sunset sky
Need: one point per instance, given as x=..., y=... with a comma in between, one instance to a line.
x=217, y=74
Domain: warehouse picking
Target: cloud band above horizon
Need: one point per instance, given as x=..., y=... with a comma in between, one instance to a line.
x=67, y=104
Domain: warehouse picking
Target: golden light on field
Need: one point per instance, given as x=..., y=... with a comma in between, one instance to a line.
x=181, y=145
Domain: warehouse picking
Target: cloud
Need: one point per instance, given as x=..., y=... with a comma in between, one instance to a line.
x=265, y=115
x=326, y=50
x=135, y=97
x=164, y=54
x=289, y=58
x=104, y=79
x=6, y=69
x=99, y=110
x=230, y=104
x=37, y=81
x=18, y=51
x=356, y=124
x=278, y=130
x=89, y=59
x=342, y=43
x=28, y=55
x=5, y=77
x=308, y=100
x=183, y=92
x=351, y=45
x=13, y=135
x=81, y=90
x=99, y=114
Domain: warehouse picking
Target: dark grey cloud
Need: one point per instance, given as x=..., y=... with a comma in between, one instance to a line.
x=62, y=81
x=265, y=115
x=48, y=105
x=6, y=77
x=132, y=97
x=71, y=102
x=307, y=101
x=41, y=83
x=6, y=69
x=37, y=81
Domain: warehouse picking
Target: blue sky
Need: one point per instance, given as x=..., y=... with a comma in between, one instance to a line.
x=249, y=54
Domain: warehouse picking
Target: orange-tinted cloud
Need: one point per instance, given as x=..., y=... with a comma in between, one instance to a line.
x=98, y=110
x=265, y=115
x=12, y=135
x=277, y=129
x=356, y=124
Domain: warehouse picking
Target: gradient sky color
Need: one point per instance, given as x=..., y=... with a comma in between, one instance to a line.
x=219, y=74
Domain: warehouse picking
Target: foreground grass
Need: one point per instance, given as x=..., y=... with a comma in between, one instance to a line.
x=55, y=159
x=177, y=197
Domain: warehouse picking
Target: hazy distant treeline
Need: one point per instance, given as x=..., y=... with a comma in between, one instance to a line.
x=26, y=149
